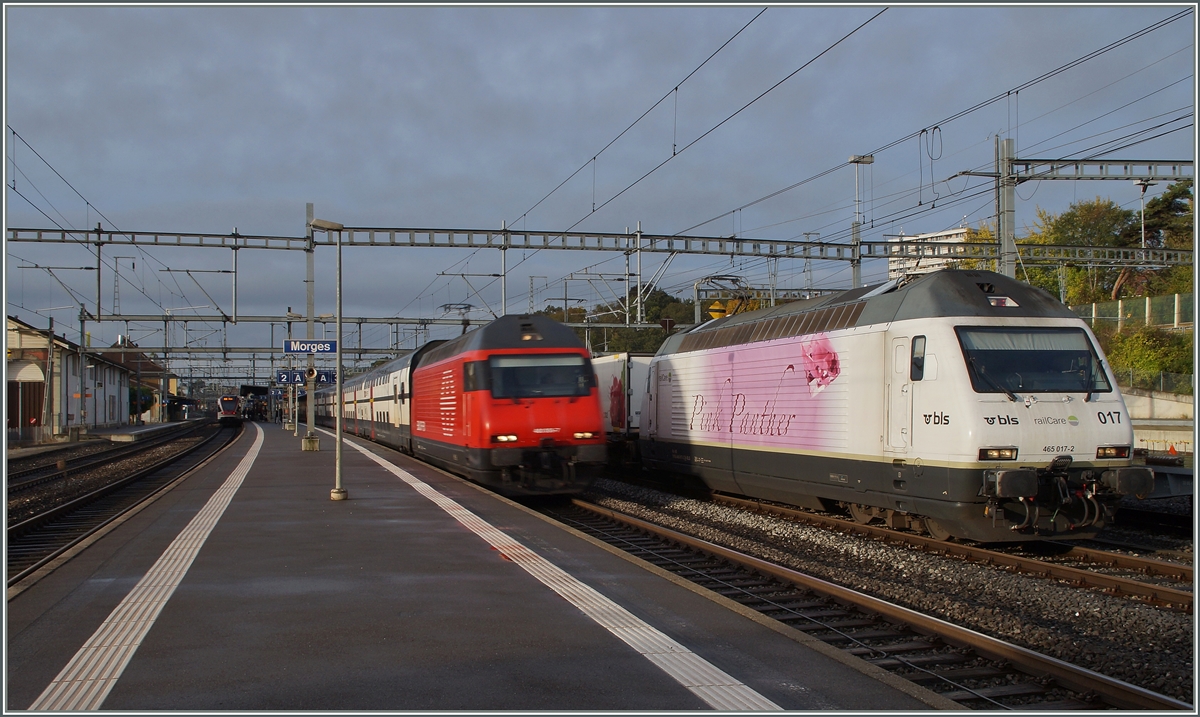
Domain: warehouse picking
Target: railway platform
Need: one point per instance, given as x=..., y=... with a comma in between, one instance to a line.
x=116, y=434
x=127, y=434
x=247, y=588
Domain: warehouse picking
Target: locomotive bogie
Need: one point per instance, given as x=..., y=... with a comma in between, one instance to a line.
x=969, y=417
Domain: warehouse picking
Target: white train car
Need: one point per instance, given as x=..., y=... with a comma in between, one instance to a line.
x=229, y=410
x=960, y=403
x=622, y=380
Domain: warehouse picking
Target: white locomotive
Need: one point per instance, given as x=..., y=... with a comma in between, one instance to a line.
x=961, y=403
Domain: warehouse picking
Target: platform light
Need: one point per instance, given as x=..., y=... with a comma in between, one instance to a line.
x=1112, y=452
x=997, y=454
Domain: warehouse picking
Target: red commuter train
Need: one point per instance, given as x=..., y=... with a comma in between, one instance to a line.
x=513, y=405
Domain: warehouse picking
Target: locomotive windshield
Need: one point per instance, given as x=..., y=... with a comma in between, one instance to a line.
x=1031, y=360
x=540, y=375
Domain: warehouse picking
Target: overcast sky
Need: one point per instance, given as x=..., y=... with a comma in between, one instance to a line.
x=203, y=119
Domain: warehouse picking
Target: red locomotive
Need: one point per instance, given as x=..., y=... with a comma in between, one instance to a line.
x=513, y=405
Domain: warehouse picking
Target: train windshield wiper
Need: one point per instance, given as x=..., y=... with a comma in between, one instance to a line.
x=991, y=381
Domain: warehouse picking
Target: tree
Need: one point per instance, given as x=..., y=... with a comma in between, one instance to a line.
x=1100, y=223
x=140, y=399
x=608, y=332
x=1169, y=224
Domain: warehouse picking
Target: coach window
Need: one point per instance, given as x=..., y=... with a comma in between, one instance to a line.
x=917, y=368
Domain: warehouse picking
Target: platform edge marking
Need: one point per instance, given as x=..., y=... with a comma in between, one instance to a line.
x=707, y=681
x=114, y=643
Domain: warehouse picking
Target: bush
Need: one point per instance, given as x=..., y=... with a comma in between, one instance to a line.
x=1150, y=351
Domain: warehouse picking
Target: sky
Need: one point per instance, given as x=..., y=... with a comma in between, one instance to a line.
x=686, y=119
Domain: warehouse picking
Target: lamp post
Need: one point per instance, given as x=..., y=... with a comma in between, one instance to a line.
x=1143, y=183
x=338, y=492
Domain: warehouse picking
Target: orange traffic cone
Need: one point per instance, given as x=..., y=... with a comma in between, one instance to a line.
x=1172, y=451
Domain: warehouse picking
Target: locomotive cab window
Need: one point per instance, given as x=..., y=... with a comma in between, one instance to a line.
x=1031, y=360
x=542, y=375
x=916, y=370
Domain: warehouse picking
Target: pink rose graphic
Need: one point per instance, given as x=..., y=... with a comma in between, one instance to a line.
x=821, y=365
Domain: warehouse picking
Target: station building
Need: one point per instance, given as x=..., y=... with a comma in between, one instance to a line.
x=48, y=400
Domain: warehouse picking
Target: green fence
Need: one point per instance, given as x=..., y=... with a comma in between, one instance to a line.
x=1171, y=311
x=1180, y=383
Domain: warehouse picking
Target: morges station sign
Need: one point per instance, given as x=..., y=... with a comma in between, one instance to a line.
x=309, y=346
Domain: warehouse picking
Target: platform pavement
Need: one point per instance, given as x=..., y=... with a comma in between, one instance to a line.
x=115, y=434
x=386, y=602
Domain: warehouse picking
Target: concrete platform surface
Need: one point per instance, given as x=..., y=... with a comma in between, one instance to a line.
x=116, y=434
x=125, y=434
x=247, y=588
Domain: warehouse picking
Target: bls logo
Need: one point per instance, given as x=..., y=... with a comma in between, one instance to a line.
x=1002, y=420
x=937, y=419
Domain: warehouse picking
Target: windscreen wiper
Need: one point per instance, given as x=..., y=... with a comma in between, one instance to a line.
x=992, y=382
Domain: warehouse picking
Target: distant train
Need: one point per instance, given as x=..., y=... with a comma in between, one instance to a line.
x=229, y=410
x=512, y=405
x=958, y=403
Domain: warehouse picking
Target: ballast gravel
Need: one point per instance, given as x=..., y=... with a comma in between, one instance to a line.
x=1122, y=638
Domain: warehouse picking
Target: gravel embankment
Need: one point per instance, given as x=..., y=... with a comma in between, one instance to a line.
x=1122, y=638
x=29, y=503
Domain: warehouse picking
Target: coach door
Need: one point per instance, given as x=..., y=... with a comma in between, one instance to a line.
x=899, y=398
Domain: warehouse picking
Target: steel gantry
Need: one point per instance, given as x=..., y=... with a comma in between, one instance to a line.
x=1010, y=171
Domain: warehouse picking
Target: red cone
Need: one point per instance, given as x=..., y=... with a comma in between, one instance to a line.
x=1172, y=451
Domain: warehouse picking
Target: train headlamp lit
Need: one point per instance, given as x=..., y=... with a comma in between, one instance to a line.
x=997, y=454
x=585, y=434
x=1112, y=452
x=504, y=438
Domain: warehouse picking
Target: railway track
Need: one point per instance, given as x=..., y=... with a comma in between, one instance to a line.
x=966, y=667
x=35, y=542
x=41, y=470
x=1169, y=523
x=1079, y=566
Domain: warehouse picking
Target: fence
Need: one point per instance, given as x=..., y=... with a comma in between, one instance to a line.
x=1180, y=383
x=1171, y=311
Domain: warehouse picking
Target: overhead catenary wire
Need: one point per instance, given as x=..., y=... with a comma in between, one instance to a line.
x=674, y=91
x=72, y=231
x=962, y=113
x=674, y=154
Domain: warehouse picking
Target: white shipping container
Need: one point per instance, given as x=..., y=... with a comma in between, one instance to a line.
x=622, y=379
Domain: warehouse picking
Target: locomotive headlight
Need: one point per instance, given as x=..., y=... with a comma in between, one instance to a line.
x=1112, y=452
x=585, y=434
x=505, y=438
x=997, y=454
